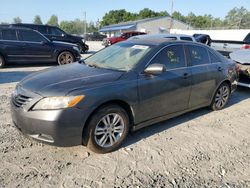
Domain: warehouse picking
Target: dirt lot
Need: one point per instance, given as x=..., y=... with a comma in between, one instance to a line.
x=199, y=149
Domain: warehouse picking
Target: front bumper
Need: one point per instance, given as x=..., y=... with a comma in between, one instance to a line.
x=55, y=127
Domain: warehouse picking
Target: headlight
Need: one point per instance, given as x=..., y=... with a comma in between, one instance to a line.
x=53, y=103
x=76, y=48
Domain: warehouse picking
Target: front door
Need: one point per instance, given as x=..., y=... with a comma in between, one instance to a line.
x=168, y=92
x=37, y=47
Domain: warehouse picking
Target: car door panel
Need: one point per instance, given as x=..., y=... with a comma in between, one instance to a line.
x=164, y=94
x=168, y=92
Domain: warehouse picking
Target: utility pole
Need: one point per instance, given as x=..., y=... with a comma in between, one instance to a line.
x=172, y=10
x=85, y=22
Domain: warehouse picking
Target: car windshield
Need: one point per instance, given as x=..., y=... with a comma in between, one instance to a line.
x=121, y=56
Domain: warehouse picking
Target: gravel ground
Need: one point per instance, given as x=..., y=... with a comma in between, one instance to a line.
x=199, y=149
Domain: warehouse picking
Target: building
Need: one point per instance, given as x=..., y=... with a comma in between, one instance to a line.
x=150, y=25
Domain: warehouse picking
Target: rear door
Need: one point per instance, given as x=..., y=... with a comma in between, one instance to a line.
x=168, y=92
x=204, y=75
x=11, y=46
x=37, y=48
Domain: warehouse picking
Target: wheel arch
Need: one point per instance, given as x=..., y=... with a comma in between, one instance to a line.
x=120, y=103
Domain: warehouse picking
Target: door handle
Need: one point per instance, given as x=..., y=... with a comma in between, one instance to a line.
x=186, y=75
x=220, y=68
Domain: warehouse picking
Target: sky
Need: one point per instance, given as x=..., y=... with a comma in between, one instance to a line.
x=96, y=9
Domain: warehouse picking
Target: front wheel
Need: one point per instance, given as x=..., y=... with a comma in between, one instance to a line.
x=221, y=97
x=65, y=58
x=107, y=129
x=2, y=62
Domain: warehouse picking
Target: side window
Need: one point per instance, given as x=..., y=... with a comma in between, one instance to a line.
x=56, y=32
x=247, y=39
x=186, y=38
x=31, y=36
x=198, y=55
x=42, y=29
x=173, y=57
x=213, y=58
x=9, y=34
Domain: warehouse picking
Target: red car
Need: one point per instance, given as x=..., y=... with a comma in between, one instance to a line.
x=122, y=37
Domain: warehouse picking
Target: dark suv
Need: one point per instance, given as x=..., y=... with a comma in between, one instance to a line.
x=26, y=45
x=56, y=34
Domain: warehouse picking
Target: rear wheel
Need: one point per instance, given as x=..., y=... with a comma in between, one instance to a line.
x=221, y=97
x=2, y=62
x=107, y=129
x=65, y=58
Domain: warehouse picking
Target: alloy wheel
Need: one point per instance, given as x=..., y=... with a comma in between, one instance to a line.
x=65, y=58
x=109, y=130
x=222, y=96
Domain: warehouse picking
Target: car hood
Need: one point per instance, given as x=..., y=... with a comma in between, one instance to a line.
x=61, y=80
x=241, y=56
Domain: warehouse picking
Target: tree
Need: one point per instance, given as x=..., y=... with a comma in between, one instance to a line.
x=17, y=20
x=53, y=21
x=37, y=20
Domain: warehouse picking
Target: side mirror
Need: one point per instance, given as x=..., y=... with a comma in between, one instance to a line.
x=63, y=35
x=155, y=69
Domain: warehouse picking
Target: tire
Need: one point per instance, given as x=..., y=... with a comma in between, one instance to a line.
x=221, y=97
x=104, y=137
x=65, y=57
x=2, y=62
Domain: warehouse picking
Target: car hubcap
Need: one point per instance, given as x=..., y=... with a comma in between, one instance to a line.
x=65, y=58
x=221, y=97
x=109, y=130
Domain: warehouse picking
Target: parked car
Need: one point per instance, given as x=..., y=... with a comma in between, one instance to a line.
x=56, y=34
x=242, y=58
x=29, y=46
x=124, y=87
x=124, y=36
x=95, y=36
x=226, y=47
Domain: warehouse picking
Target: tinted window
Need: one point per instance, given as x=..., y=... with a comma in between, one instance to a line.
x=186, y=38
x=213, y=58
x=173, y=57
x=198, y=55
x=42, y=29
x=9, y=34
x=247, y=39
x=56, y=32
x=31, y=36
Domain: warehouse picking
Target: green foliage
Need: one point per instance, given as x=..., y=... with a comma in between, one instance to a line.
x=37, y=20
x=53, y=21
x=17, y=20
x=118, y=16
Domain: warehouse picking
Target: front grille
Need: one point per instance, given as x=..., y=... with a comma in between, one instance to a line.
x=20, y=100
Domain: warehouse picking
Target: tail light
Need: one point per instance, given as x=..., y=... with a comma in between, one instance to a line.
x=246, y=46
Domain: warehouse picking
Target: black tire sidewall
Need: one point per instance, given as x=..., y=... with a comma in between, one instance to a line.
x=91, y=143
x=213, y=105
x=3, y=62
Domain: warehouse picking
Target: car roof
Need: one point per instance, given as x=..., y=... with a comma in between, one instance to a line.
x=161, y=36
x=10, y=27
x=153, y=40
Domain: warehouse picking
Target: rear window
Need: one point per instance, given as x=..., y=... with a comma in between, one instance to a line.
x=42, y=29
x=186, y=38
x=198, y=55
x=247, y=39
x=9, y=34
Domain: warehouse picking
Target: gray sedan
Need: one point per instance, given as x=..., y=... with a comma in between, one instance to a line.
x=124, y=87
